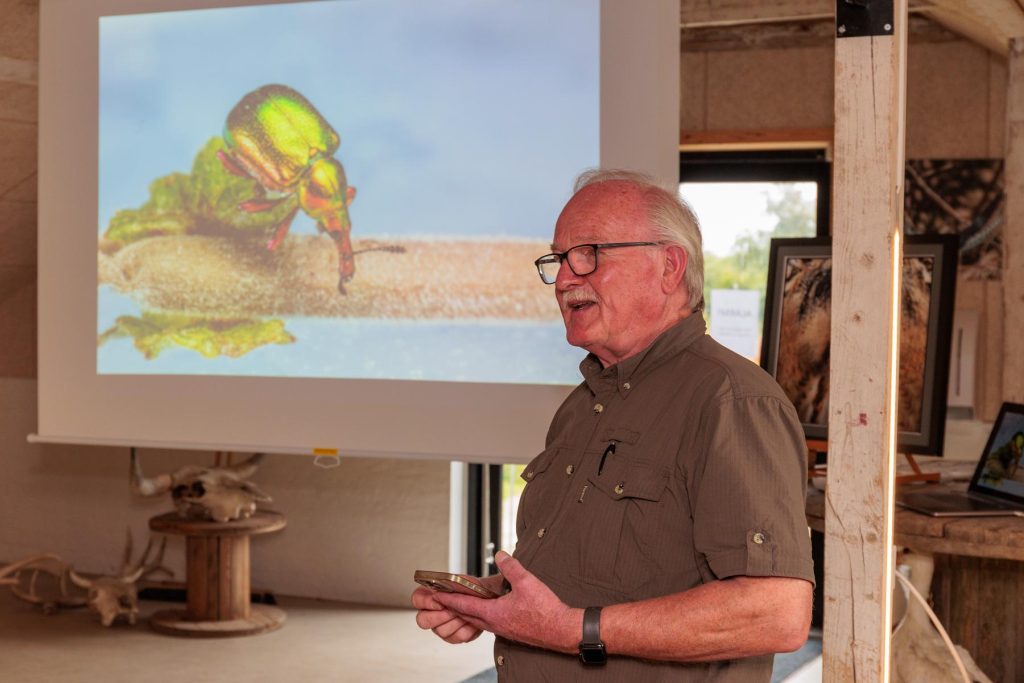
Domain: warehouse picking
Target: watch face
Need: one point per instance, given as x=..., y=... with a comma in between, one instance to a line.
x=592, y=653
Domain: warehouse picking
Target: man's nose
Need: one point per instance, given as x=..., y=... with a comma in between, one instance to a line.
x=566, y=277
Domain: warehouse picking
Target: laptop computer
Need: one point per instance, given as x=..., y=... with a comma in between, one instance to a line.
x=997, y=487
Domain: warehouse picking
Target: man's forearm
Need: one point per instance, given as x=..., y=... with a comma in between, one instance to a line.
x=738, y=617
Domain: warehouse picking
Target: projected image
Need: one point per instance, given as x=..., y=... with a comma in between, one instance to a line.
x=232, y=239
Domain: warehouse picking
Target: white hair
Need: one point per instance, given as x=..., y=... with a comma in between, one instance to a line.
x=671, y=217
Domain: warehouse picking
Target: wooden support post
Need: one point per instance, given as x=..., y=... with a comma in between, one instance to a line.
x=1013, y=229
x=870, y=85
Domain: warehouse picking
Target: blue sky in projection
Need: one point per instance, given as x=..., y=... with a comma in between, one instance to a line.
x=456, y=117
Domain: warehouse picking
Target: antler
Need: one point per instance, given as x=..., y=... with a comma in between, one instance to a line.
x=79, y=580
x=13, y=568
x=60, y=574
x=145, y=568
x=127, y=560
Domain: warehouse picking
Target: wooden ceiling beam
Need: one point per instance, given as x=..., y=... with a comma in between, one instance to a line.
x=708, y=13
x=704, y=13
x=795, y=34
x=990, y=23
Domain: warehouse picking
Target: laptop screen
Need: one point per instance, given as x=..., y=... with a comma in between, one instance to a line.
x=1000, y=471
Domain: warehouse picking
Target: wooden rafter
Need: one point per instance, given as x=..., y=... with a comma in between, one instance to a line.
x=762, y=139
x=794, y=34
x=990, y=23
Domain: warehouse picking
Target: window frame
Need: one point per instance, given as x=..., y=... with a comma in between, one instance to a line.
x=790, y=165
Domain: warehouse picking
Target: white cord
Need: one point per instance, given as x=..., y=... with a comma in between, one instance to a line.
x=935, y=622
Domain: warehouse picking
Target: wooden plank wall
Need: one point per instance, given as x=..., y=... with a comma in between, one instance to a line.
x=986, y=297
x=868, y=172
x=19, y=66
x=1013, y=230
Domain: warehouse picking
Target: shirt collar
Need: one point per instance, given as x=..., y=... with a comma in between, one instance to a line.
x=669, y=343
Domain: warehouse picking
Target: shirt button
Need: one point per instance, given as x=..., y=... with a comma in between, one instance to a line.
x=619, y=488
x=758, y=538
x=569, y=469
x=540, y=534
x=626, y=385
x=500, y=660
x=598, y=408
x=529, y=475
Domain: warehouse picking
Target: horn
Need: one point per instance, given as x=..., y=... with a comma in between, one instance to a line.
x=79, y=581
x=21, y=564
x=247, y=468
x=256, y=492
x=147, y=487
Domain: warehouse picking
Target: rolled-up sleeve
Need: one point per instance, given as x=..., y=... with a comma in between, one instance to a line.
x=749, y=493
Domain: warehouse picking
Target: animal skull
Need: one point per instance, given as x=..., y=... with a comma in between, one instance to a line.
x=116, y=596
x=217, y=493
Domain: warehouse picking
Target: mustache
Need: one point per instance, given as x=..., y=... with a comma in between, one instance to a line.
x=573, y=297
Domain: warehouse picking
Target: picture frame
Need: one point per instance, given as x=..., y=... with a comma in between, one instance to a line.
x=797, y=333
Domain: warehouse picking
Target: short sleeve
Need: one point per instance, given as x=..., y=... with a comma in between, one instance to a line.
x=749, y=496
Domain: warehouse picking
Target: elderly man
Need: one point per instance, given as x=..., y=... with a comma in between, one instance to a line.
x=661, y=531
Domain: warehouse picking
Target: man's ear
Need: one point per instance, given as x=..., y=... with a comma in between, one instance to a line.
x=675, y=267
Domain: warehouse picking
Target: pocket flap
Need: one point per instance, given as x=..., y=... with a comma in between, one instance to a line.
x=540, y=463
x=624, y=479
x=620, y=434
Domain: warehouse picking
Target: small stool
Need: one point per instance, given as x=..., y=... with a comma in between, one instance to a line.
x=217, y=578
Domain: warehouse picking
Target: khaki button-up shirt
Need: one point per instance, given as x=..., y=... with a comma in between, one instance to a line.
x=678, y=466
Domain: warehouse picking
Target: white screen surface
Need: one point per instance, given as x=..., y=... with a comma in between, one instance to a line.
x=461, y=125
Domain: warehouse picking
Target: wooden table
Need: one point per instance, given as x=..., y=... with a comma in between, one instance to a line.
x=218, y=600
x=978, y=587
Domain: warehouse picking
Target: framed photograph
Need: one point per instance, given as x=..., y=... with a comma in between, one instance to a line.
x=797, y=333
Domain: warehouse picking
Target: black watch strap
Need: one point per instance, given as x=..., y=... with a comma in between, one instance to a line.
x=591, y=648
x=592, y=626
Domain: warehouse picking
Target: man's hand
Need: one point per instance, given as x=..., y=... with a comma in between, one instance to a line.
x=445, y=624
x=529, y=613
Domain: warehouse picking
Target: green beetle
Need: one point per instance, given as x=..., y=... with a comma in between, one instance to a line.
x=276, y=137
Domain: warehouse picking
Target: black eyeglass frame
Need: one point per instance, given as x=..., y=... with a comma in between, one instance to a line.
x=564, y=256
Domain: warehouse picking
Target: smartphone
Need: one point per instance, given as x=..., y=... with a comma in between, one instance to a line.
x=452, y=583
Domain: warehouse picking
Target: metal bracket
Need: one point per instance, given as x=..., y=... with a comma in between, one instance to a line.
x=858, y=18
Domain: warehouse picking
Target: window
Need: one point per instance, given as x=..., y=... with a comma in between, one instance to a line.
x=743, y=200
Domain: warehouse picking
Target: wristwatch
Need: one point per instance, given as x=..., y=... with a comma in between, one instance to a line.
x=591, y=648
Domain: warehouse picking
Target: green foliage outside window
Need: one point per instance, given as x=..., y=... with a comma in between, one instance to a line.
x=746, y=266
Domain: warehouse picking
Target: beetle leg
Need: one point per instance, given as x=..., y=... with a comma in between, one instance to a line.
x=282, y=230
x=346, y=259
x=231, y=165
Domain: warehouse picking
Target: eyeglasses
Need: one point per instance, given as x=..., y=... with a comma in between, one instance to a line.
x=582, y=259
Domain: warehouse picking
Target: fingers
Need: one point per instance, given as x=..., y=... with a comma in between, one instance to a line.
x=465, y=634
x=423, y=598
x=447, y=626
x=456, y=602
x=434, y=618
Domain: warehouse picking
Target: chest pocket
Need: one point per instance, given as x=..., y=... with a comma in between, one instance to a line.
x=626, y=524
x=543, y=489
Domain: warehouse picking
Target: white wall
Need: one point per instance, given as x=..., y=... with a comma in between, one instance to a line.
x=355, y=533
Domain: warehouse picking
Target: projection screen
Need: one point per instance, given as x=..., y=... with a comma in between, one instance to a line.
x=309, y=226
